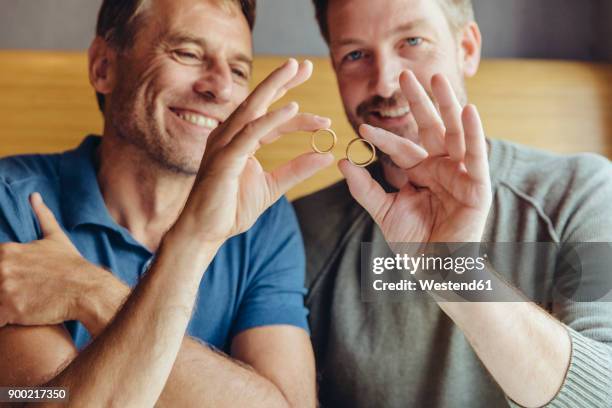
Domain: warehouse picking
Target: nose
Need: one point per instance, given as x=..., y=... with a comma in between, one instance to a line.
x=385, y=81
x=216, y=82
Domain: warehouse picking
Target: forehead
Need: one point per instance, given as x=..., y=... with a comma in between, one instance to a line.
x=214, y=21
x=367, y=19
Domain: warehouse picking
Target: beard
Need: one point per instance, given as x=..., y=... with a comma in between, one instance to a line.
x=410, y=131
x=143, y=129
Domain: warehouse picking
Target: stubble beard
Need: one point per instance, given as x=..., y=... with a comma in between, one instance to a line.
x=144, y=131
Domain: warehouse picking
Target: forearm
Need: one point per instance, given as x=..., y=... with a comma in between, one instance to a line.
x=525, y=349
x=135, y=354
x=205, y=378
x=200, y=376
x=102, y=297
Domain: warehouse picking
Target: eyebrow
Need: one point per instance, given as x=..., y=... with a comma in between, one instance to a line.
x=181, y=38
x=397, y=30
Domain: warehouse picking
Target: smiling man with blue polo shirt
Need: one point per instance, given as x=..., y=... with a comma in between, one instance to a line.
x=171, y=202
x=255, y=279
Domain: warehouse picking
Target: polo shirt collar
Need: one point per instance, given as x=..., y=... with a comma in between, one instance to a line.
x=81, y=200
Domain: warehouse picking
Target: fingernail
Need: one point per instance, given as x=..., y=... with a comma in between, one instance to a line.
x=291, y=106
x=290, y=61
x=410, y=74
x=36, y=198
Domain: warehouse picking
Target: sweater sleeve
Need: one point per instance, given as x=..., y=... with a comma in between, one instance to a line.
x=584, y=225
x=587, y=381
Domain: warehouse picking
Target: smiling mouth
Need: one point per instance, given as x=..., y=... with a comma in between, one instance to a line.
x=391, y=113
x=197, y=119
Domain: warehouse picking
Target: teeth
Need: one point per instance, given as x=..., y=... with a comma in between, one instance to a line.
x=198, y=120
x=394, y=113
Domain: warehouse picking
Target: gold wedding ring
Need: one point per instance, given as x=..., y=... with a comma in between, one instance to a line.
x=314, y=144
x=372, y=151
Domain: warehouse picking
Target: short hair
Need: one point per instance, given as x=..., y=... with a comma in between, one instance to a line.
x=119, y=21
x=458, y=13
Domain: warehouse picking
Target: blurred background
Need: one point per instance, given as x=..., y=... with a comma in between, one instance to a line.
x=546, y=78
x=559, y=29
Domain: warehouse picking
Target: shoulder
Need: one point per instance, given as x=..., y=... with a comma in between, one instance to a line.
x=557, y=186
x=280, y=215
x=517, y=164
x=15, y=170
x=275, y=232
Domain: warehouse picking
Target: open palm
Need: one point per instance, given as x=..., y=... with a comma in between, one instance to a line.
x=448, y=195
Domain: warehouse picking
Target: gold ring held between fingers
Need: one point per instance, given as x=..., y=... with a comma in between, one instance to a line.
x=372, y=151
x=314, y=144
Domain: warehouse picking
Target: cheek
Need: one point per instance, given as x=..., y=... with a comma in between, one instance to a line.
x=171, y=78
x=353, y=91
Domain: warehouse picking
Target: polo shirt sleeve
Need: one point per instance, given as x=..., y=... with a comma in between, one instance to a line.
x=275, y=292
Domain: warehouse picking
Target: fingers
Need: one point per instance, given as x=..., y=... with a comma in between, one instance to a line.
x=476, y=160
x=248, y=141
x=258, y=102
x=275, y=85
x=450, y=110
x=431, y=128
x=294, y=172
x=404, y=153
x=302, y=122
x=365, y=190
x=303, y=74
x=46, y=219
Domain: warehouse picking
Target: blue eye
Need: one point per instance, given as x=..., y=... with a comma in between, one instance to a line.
x=414, y=41
x=354, y=56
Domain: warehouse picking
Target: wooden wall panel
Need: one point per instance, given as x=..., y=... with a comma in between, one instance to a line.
x=47, y=105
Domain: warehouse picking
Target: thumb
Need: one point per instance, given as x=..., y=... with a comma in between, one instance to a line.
x=46, y=219
x=365, y=190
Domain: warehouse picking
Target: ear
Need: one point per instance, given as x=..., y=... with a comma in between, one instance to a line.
x=102, y=58
x=470, y=49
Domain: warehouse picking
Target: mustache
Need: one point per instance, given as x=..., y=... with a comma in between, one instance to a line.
x=377, y=102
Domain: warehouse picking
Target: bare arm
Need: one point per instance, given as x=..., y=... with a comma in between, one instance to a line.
x=525, y=349
x=273, y=364
x=149, y=329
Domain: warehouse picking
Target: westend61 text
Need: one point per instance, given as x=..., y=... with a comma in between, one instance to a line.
x=432, y=285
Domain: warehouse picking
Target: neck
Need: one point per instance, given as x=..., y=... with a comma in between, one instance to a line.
x=140, y=195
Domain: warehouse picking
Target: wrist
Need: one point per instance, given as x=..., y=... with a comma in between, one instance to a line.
x=100, y=299
x=182, y=241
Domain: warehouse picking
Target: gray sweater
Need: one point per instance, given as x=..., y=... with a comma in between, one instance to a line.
x=410, y=354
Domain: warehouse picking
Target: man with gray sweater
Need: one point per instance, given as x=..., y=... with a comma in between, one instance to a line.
x=400, y=66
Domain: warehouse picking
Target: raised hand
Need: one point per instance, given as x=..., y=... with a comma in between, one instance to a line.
x=449, y=193
x=232, y=189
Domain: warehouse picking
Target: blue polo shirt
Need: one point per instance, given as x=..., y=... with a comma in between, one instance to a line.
x=256, y=278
